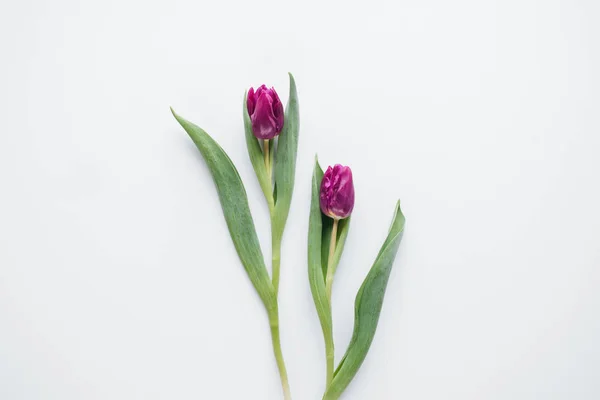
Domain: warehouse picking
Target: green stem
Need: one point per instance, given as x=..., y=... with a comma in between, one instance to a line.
x=276, y=263
x=330, y=266
x=329, y=346
x=275, y=241
x=267, y=158
x=269, y=194
x=329, y=354
x=276, y=259
x=274, y=321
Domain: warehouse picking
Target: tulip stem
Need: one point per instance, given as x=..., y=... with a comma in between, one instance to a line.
x=276, y=260
x=267, y=158
x=274, y=322
x=330, y=266
x=276, y=263
x=329, y=356
x=329, y=346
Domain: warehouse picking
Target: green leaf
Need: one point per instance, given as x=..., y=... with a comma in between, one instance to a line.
x=369, y=301
x=342, y=234
x=316, y=275
x=285, y=161
x=234, y=202
x=256, y=155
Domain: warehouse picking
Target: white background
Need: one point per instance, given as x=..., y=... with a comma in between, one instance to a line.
x=118, y=279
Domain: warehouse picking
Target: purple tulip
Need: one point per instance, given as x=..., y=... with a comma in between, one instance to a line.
x=266, y=112
x=337, y=192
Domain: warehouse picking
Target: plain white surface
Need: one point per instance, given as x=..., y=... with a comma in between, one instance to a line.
x=118, y=279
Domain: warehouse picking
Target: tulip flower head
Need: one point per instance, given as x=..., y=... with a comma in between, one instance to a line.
x=337, y=192
x=266, y=112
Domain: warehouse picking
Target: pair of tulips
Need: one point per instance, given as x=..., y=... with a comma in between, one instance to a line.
x=267, y=116
x=272, y=139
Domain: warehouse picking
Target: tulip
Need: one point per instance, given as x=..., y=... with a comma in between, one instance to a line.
x=336, y=198
x=337, y=192
x=266, y=112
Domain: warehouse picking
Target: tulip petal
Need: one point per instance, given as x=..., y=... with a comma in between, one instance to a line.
x=251, y=101
x=277, y=110
x=337, y=192
x=264, y=124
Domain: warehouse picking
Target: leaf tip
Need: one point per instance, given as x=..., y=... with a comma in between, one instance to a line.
x=317, y=165
x=398, y=211
x=292, y=82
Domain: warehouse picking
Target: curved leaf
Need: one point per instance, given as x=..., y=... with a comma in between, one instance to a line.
x=369, y=301
x=316, y=274
x=285, y=160
x=234, y=202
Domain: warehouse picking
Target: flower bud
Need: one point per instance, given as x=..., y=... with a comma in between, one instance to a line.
x=266, y=112
x=337, y=192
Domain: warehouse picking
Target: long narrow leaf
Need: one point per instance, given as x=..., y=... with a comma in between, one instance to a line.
x=368, y=304
x=315, y=270
x=285, y=160
x=234, y=202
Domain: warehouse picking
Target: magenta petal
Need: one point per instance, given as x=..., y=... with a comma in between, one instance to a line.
x=266, y=112
x=337, y=192
x=264, y=124
x=261, y=89
x=251, y=101
x=277, y=110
